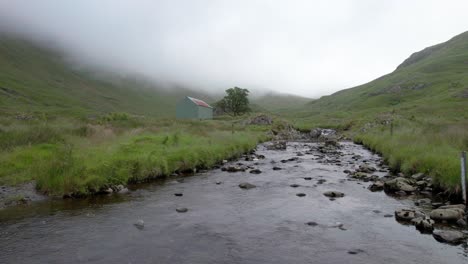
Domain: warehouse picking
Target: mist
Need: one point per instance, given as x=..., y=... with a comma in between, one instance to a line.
x=307, y=48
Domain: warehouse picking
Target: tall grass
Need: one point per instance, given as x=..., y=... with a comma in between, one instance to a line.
x=431, y=147
x=83, y=157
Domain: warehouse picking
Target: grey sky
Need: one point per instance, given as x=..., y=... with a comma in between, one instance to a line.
x=309, y=48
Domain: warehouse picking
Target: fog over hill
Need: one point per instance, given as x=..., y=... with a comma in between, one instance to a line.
x=309, y=48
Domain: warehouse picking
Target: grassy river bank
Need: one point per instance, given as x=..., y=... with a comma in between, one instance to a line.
x=66, y=156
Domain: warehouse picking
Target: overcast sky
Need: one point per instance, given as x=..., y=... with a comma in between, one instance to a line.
x=309, y=48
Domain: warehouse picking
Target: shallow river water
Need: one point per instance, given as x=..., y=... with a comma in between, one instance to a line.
x=227, y=224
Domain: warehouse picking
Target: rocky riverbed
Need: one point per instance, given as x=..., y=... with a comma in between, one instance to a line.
x=289, y=202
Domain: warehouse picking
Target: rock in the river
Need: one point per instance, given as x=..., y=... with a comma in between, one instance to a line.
x=424, y=224
x=331, y=142
x=300, y=194
x=120, y=189
x=360, y=176
x=421, y=184
x=425, y=201
x=376, y=186
x=294, y=185
x=246, y=185
x=234, y=168
x=277, y=145
x=181, y=210
x=449, y=214
x=321, y=181
x=312, y=223
x=461, y=222
x=277, y=168
x=140, y=224
x=333, y=194
x=108, y=190
x=366, y=168
x=399, y=184
x=408, y=214
x=449, y=236
x=307, y=178
x=255, y=171
x=178, y=194
x=453, y=206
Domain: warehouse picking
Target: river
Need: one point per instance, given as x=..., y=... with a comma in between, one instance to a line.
x=227, y=224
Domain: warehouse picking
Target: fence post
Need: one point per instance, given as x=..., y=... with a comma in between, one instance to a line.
x=463, y=175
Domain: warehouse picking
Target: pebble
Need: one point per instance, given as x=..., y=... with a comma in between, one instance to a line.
x=181, y=210
x=140, y=224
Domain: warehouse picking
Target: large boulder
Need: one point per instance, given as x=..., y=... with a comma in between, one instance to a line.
x=449, y=236
x=399, y=184
x=449, y=214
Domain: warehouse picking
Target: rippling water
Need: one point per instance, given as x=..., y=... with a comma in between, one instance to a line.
x=226, y=224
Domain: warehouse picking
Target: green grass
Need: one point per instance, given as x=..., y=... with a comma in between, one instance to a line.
x=116, y=151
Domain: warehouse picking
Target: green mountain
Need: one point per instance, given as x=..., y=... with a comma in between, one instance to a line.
x=434, y=78
x=37, y=79
x=280, y=103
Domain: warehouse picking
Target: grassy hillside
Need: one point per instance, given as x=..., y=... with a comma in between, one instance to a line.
x=417, y=116
x=280, y=103
x=35, y=79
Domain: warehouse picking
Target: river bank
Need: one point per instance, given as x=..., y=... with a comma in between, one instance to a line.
x=76, y=159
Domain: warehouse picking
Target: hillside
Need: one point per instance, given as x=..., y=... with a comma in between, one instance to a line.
x=280, y=103
x=436, y=77
x=35, y=79
x=416, y=116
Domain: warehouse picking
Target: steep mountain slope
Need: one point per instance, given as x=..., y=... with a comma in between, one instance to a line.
x=436, y=75
x=35, y=79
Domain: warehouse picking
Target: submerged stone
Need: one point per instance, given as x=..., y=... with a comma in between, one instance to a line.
x=181, y=210
x=246, y=185
x=334, y=194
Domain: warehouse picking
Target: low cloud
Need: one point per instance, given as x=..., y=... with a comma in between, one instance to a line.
x=309, y=48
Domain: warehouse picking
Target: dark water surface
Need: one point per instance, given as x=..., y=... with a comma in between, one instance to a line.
x=226, y=224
